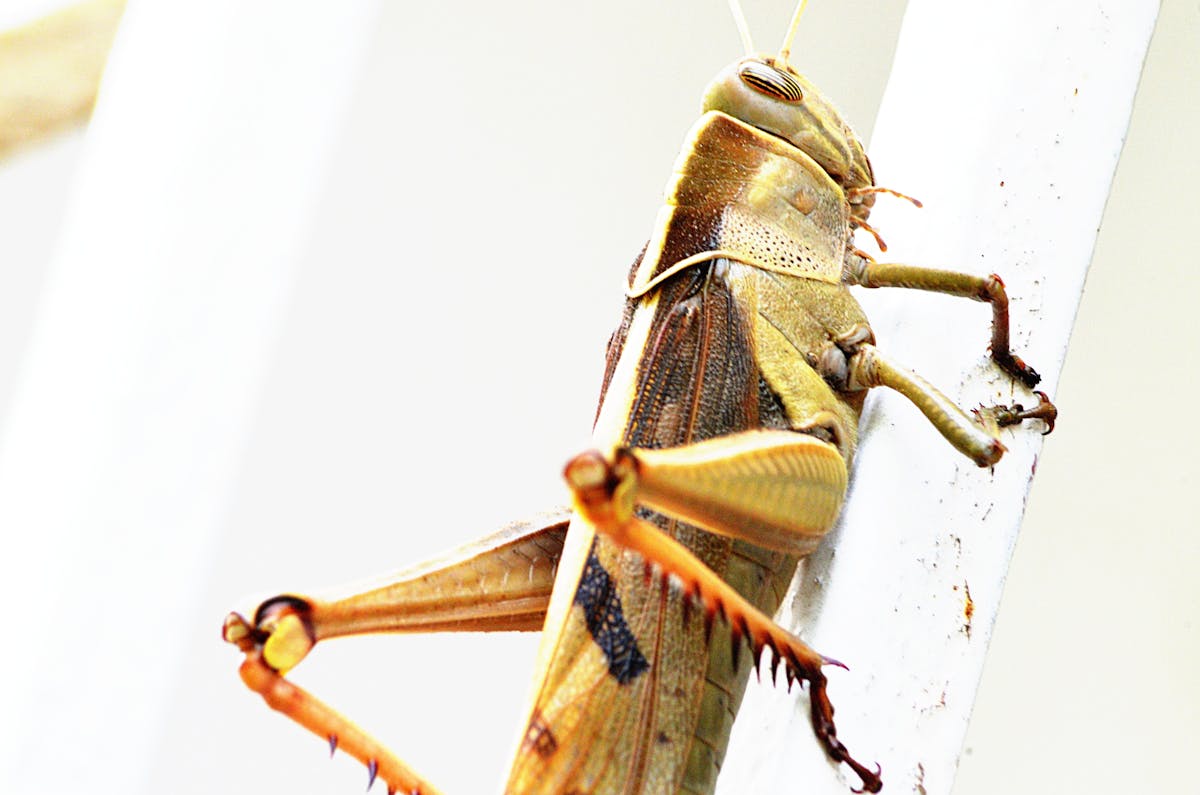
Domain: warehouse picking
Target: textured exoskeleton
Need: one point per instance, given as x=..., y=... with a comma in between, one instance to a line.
x=727, y=423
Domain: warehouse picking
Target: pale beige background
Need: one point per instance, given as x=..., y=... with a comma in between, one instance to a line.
x=430, y=379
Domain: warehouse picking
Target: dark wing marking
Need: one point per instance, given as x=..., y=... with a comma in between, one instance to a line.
x=601, y=604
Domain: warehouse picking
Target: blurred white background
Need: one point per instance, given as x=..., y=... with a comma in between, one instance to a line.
x=436, y=336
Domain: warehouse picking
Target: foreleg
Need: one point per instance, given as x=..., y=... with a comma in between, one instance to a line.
x=990, y=289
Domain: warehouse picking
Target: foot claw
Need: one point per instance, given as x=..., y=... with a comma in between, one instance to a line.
x=871, y=781
x=821, y=716
x=1015, y=366
x=1045, y=411
x=1016, y=413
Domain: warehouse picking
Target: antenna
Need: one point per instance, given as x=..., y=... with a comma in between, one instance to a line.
x=739, y=19
x=781, y=60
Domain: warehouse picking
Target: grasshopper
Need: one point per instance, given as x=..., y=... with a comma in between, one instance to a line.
x=726, y=428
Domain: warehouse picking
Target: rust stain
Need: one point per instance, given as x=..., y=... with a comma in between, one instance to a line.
x=968, y=608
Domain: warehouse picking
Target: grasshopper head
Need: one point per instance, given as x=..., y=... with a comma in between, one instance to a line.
x=768, y=94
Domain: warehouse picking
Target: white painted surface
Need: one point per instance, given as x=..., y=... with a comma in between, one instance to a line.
x=1010, y=136
x=146, y=358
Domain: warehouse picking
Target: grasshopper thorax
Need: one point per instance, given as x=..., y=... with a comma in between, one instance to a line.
x=780, y=101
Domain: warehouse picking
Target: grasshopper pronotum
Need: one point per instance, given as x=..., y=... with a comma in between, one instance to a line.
x=727, y=423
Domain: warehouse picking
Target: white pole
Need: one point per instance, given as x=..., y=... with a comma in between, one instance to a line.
x=119, y=457
x=1007, y=120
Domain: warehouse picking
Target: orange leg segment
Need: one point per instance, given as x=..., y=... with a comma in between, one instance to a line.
x=502, y=583
x=603, y=497
x=322, y=720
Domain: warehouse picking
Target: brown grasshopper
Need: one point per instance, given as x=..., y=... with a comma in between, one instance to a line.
x=726, y=427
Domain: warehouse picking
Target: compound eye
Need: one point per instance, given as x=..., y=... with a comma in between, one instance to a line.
x=770, y=81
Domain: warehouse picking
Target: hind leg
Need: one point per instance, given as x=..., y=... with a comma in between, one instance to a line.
x=502, y=583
